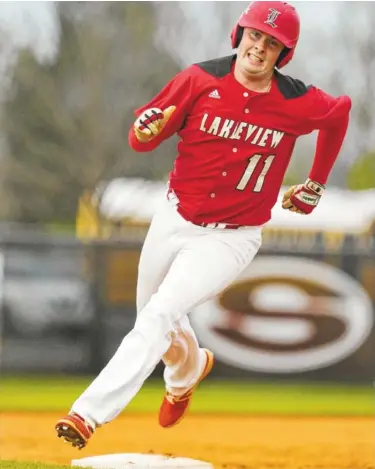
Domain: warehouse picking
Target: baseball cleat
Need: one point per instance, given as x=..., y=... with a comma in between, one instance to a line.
x=75, y=430
x=173, y=408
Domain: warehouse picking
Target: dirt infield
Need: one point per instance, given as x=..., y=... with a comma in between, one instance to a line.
x=228, y=442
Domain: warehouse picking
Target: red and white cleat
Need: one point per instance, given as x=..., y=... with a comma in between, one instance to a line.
x=173, y=408
x=74, y=429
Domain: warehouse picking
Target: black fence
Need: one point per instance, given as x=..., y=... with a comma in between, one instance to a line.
x=304, y=309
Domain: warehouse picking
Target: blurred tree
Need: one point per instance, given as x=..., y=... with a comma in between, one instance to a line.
x=355, y=77
x=362, y=173
x=66, y=122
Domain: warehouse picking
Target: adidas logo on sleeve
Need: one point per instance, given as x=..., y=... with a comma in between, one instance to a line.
x=214, y=94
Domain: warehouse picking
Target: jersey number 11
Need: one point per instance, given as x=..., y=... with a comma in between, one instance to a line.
x=253, y=162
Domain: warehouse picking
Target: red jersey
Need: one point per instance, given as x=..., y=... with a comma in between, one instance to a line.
x=235, y=144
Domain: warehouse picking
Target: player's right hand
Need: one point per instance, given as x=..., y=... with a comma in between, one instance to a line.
x=151, y=123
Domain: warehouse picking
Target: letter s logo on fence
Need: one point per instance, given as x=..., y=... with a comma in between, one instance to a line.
x=286, y=315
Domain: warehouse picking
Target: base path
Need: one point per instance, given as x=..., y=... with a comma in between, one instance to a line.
x=228, y=442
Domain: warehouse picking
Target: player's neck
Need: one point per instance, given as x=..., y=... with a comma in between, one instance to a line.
x=253, y=83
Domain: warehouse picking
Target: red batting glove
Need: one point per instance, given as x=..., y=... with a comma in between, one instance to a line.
x=303, y=198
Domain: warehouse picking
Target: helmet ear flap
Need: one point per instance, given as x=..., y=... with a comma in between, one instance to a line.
x=239, y=34
x=282, y=56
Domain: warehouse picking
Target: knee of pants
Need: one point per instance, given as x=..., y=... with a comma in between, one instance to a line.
x=162, y=304
x=154, y=322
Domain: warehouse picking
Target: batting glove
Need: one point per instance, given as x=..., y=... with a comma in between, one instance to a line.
x=303, y=198
x=151, y=123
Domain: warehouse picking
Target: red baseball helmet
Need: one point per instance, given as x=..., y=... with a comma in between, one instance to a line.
x=278, y=19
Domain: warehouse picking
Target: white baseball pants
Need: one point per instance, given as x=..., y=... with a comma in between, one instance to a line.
x=182, y=265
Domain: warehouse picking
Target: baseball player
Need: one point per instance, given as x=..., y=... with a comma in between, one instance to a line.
x=238, y=119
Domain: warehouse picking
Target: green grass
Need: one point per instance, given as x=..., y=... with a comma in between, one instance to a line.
x=57, y=394
x=31, y=465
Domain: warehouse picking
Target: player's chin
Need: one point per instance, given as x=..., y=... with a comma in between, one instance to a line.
x=254, y=70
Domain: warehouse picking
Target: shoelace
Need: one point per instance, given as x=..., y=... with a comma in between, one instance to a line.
x=175, y=399
x=87, y=425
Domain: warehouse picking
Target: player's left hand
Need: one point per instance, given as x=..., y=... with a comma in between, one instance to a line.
x=303, y=198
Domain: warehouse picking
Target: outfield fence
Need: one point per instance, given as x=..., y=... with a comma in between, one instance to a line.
x=303, y=310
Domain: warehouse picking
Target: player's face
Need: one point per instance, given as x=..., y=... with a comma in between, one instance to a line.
x=258, y=52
